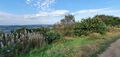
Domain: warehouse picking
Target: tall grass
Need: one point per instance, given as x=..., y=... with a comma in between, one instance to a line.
x=103, y=46
x=84, y=46
x=68, y=48
x=14, y=44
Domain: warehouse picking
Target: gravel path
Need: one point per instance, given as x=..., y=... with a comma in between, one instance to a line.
x=112, y=51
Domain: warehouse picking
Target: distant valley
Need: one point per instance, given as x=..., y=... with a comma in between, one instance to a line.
x=9, y=28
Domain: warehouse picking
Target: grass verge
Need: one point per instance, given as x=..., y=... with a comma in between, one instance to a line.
x=104, y=46
x=76, y=47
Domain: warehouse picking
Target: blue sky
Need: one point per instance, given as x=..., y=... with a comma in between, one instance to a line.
x=23, y=12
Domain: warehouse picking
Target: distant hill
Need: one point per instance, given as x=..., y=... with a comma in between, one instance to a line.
x=8, y=28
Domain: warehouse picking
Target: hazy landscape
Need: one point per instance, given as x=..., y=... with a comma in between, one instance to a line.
x=9, y=28
x=59, y=28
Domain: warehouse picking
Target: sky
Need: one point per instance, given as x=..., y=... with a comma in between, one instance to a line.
x=30, y=12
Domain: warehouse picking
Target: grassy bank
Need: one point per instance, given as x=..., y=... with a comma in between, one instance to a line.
x=63, y=48
x=84, y=46
x=103, y=46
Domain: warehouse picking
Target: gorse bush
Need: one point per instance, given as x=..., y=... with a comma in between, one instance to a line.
x=51, y=36
x=90, y=25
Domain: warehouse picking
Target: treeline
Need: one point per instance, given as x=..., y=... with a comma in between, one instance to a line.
x=23, y=40
x=96, y=24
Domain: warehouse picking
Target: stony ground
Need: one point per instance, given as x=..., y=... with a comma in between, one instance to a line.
x=112, y=51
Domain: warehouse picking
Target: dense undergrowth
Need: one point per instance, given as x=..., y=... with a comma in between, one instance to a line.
x=76, y=47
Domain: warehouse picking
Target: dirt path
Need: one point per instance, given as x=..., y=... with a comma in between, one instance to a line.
x=112, y=51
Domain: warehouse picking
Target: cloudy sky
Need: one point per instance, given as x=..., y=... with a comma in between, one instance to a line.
x=24, y=12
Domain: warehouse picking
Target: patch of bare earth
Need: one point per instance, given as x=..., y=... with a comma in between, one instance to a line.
x=112, y=51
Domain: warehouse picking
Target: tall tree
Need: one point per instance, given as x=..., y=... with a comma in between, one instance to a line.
x=65, y=26
x=68, y=20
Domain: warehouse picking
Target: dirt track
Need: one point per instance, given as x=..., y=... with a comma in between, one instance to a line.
x=112, y=51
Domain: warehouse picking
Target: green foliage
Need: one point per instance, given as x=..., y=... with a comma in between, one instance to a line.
x=90, y=25
x=42, y=30
x=109, y=20
x=51, y=36
x=68, y=48
x=76, y=47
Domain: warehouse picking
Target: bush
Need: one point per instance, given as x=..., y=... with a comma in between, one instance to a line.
x=51, y=36
x=90, y=25
x=109, y=20
x=42, y=30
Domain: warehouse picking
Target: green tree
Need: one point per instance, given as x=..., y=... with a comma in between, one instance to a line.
x=68, y=20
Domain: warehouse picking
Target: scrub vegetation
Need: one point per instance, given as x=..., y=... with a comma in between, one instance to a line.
x=86, y=38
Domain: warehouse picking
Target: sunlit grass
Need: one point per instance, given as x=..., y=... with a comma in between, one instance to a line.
x=68, y=48
x=76, y=46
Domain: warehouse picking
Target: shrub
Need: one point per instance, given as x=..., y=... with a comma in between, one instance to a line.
x=109, y=20
x=41, y=30
x=51, y=36
x=90, y=25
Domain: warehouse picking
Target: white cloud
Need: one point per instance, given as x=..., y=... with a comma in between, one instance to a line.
x=51, y=17
x=39, y=18
x=40, y=4
x=55, y=13
x=59, y=12
x=97, y=11
x=92, y=12
x=46, y=4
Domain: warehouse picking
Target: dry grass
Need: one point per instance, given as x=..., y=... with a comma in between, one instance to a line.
x=89, y=49
x=83, y=46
